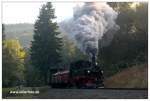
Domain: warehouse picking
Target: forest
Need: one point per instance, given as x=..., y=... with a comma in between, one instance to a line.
x=31, y=53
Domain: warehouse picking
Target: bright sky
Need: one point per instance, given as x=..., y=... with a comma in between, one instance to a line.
x=27, y=12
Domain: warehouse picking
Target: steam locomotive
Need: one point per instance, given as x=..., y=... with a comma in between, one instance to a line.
x=81, y=74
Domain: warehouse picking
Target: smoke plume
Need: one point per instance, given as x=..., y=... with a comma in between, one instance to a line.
x=89, y=24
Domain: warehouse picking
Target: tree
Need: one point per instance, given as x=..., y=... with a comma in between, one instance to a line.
x=3, y=32
x=15, y=48
x=129, y=45
x=32, y=75
x=46, y=46
x=12, y=62
x=70, y=52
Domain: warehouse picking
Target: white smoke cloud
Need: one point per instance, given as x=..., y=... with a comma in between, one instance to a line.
x=89, y=24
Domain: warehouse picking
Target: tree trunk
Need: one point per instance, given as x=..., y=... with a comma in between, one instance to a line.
x=49, y=76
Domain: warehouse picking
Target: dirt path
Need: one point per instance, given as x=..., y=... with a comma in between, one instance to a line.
x=93, y=94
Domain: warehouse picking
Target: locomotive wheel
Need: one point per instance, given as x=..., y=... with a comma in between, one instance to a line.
x=78, y=85
x=54, y=85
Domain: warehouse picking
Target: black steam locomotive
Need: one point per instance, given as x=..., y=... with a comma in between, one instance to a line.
x=81, y=74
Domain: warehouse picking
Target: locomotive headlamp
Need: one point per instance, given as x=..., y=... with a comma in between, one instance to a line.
x=96, y=63
x=88, y=71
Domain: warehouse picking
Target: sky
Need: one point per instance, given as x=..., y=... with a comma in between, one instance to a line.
x=27, y=12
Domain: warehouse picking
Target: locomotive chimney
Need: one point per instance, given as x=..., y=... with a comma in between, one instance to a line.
x=92, y=55
x=93, y=60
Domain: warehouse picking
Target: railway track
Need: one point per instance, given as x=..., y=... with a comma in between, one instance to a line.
x=101, y=93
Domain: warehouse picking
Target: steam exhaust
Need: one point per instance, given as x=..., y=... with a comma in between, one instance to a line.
x=89, y=24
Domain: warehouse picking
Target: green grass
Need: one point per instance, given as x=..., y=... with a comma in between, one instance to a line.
x=6, y=92
x=132, y=77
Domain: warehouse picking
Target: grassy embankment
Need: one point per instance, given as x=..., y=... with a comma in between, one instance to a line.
x=132, y=77
x=6, y=92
